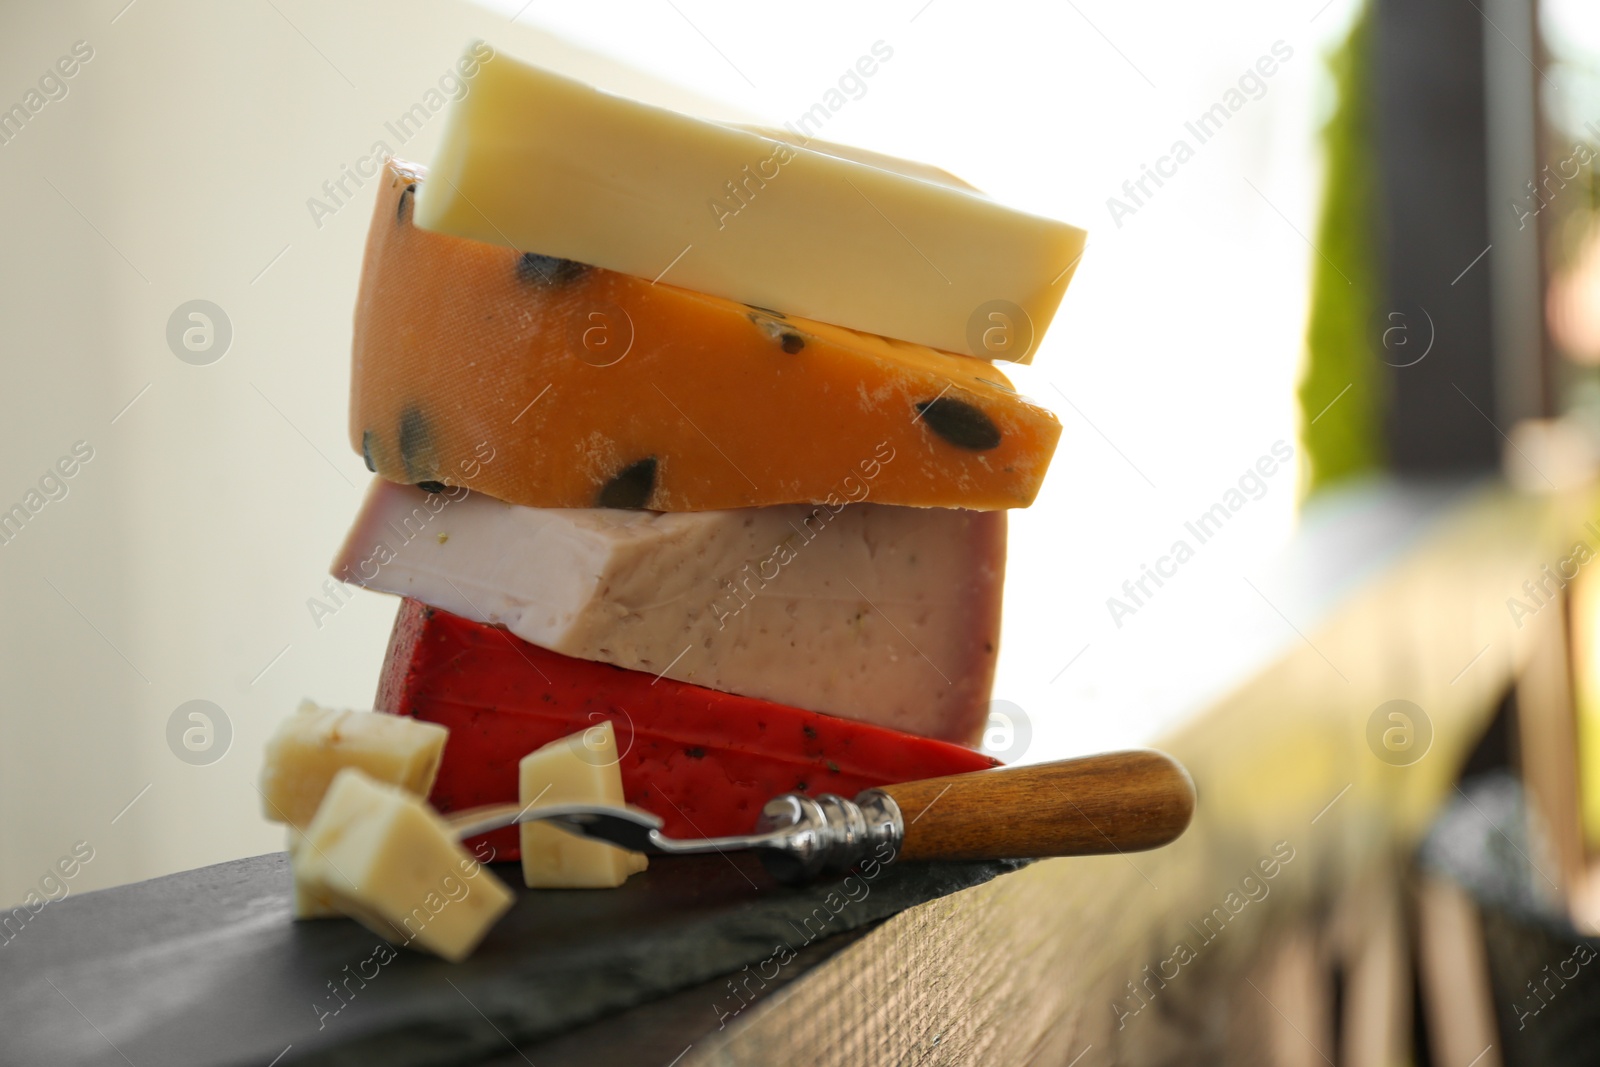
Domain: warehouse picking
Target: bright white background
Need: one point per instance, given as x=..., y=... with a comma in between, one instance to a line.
x=1571, y=31
x=179, y=166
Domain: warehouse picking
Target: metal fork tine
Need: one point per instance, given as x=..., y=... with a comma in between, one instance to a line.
x=626, y=827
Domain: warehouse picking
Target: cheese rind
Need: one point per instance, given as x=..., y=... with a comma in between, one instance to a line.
x=382, y=857
x=885, y=614
x=315, y=743
x=578, y=769
x=547, y=383
x=538, y=161
x=704, y=761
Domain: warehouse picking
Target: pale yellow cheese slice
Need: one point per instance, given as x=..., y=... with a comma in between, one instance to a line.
x=313, y=744
x=578, y=769
x=551, y=166
x=383, y=857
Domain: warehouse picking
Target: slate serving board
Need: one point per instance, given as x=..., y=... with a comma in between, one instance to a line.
x=206, y=967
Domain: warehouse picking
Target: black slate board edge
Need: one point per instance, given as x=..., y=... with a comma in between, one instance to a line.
x=693, y=954
x=654, y=1032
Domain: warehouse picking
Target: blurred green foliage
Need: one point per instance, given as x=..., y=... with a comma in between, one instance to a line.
x=1341, y=399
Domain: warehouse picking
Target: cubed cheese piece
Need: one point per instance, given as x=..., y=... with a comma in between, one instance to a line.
x=543, y=382
x=881, y=613
x=578, y=769
x=704, y=761
x=307, y=901
x=313, y=744
x=537, y=161
x=380, y=856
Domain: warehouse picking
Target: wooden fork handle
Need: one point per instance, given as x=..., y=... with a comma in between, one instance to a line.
x=1113, y=802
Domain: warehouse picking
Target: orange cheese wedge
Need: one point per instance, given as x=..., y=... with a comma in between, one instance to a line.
x=549, y=383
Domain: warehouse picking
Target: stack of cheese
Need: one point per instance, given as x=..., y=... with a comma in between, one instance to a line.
x=690, y=429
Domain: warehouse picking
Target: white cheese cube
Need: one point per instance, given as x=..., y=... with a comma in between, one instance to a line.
x=313, y=744
x=383, y=857
x=307, y=901
x=578, y=769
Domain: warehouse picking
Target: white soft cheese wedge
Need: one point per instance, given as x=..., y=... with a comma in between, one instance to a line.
x=313, y=744
x=579, y=769
x=383, y=857
x=550, y=165
x=885, y=614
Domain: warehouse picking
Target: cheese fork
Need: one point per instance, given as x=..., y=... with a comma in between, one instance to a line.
x=1112, y=802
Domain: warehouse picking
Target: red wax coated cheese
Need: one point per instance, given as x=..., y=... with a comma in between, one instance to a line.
x=702, y=760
